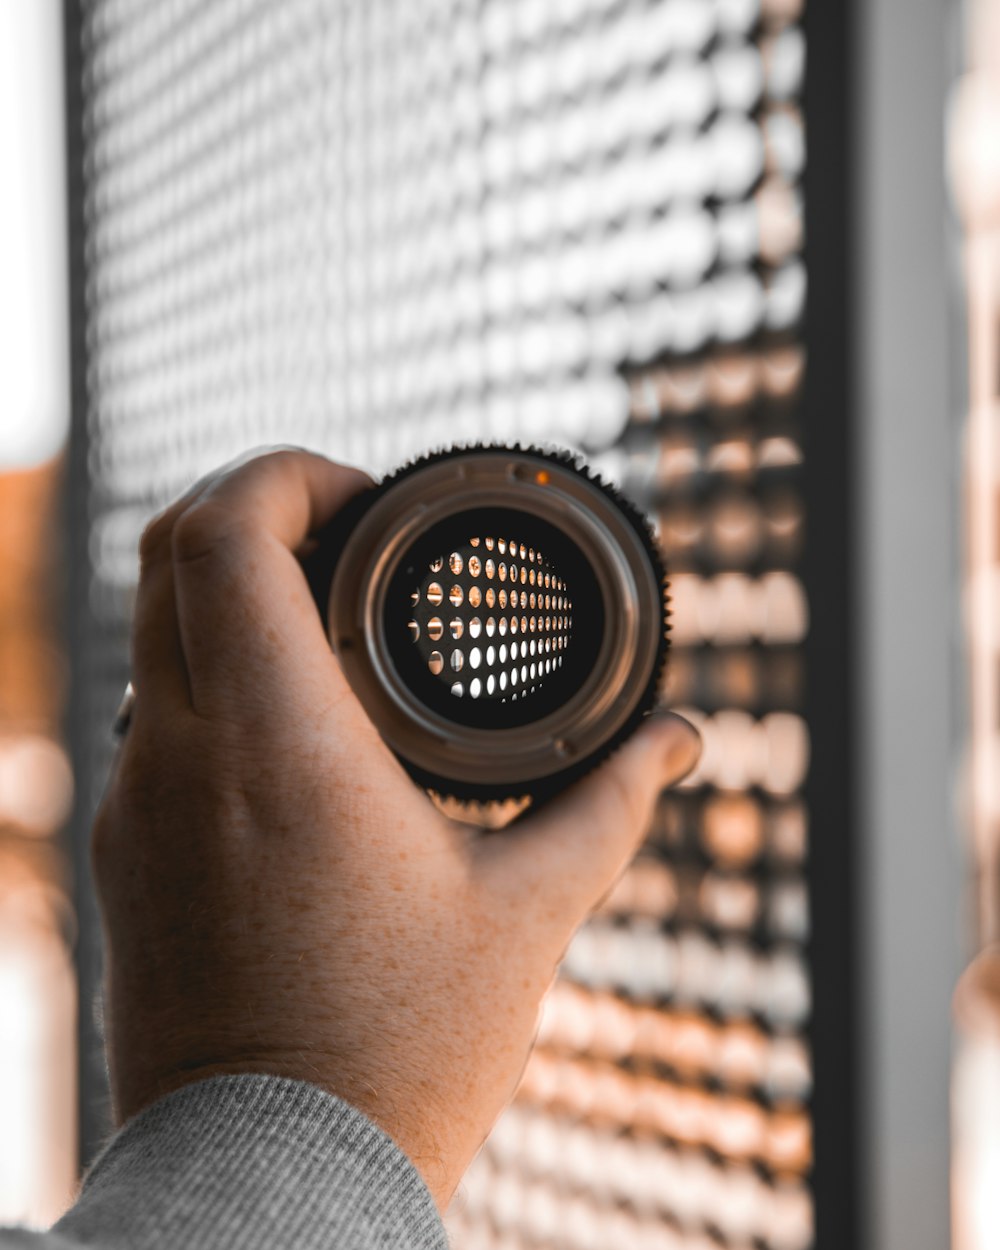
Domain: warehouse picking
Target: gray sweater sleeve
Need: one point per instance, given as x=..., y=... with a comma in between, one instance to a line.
x=249, y=1162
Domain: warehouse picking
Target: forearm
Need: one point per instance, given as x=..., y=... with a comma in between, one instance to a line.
x=248, y=1161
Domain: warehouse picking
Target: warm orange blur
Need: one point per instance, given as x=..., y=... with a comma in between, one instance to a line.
x=38, y=1149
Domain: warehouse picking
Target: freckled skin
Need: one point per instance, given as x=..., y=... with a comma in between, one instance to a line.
x=277, y=895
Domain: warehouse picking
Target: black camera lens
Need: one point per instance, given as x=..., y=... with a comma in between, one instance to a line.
x=501, y=615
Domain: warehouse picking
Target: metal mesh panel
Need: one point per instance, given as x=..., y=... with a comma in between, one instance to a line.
x=372, y=228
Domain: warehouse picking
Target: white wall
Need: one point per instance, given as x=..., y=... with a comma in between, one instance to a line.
x=34, y=369
x=908, y=452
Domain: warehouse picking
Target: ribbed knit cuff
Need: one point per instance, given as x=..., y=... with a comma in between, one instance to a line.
x=248, y=1162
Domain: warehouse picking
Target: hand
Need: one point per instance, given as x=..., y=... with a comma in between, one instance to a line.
x=277, y=894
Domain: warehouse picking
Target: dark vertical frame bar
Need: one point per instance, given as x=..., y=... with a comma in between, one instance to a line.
x=831, y=501
x=92, y=1089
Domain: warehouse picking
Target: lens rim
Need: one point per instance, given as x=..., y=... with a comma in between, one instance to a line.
x=439, y=751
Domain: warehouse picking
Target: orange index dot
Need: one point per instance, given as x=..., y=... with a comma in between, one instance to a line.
x=542, y=477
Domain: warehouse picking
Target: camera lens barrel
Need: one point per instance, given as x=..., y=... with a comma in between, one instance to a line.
x=502, y=616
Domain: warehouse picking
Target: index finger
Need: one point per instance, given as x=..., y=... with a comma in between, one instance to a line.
x=243, y=604
x=284, y=495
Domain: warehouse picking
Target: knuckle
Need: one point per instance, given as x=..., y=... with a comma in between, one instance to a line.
x=154, y=543
x=280, y=460
x=200, y=531
x=287, y=457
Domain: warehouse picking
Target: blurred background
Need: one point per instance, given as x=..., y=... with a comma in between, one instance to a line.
x=744, y=255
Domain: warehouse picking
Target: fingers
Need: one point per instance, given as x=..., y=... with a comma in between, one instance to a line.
x=244, y=609
x=565, y=859
x=158, y=665
x=284, y=495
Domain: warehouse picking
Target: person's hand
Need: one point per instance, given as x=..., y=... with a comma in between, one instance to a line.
x=278, y=896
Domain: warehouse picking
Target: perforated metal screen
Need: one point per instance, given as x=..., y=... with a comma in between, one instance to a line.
x=376, y=227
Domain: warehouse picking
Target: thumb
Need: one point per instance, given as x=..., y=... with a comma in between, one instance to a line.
x=570, y=853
